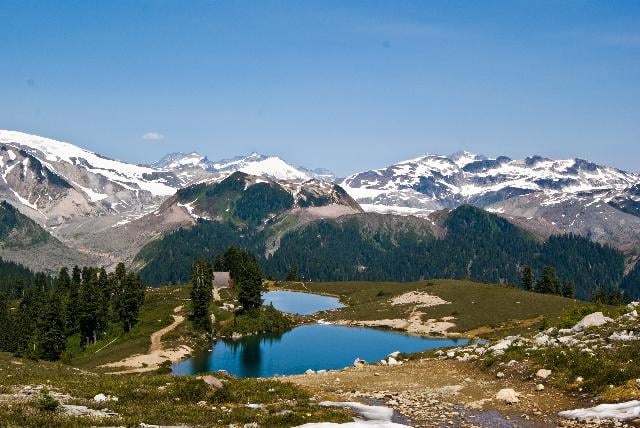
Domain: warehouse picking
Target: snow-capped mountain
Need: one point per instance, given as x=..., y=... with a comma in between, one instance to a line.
x=179, y=160
x=53, y=180
x=433, y=182
x=253, y=164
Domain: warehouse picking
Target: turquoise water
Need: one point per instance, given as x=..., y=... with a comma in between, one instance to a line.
x=313, y=346
x=300, y=303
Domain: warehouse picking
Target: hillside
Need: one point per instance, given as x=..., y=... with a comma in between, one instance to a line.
x=451, y=307
x=464, y=243
x=24, y=241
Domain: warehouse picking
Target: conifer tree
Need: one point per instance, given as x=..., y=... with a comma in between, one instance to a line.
x=63, y=281
x=6, y=326
x=71, y=309
x=548, y=283
x=129, y=297
x=201, y=293
x=104, y=300
x=527, y=278
x=250, y=285
x=568, y=290
x=29, y=311
x=51, y=336
x=88, y=305
x=293, y=274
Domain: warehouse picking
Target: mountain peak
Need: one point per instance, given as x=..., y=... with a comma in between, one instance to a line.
x=463, y=157
x=177, y=160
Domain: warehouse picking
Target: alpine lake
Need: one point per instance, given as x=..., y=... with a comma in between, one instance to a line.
x=309, y=346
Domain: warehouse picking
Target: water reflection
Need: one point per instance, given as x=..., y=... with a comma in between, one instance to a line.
x=305, y=347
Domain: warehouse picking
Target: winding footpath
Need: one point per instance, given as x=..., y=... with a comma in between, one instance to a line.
x=157, y=354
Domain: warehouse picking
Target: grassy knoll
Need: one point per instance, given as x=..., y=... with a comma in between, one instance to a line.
x=481, y=310
x=152, y=399
x=265, y=319
x=154, y=315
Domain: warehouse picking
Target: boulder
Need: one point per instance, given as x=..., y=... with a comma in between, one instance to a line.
x=212, y=381
x=595, y=319
x=309, y=371
x=543, y=373
x=100, y=398
x=542, y=339
x=359, y=363
x=507, y=395
x=539, y=387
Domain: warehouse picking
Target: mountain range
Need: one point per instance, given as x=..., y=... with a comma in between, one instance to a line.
x=99, y=210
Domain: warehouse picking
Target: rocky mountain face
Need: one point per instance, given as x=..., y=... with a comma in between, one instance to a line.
x=253, y=164
x=23, y=241
x=433, y=182
x=106, y=210
x=544, y=195
x=100, y=207
x=54, y=182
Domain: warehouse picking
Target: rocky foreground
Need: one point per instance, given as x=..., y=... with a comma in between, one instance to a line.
x=506, y=383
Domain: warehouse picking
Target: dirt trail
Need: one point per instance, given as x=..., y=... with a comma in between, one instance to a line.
x=156, y=338
x=157, y=355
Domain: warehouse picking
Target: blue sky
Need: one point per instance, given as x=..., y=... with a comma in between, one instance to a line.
x=347, y=85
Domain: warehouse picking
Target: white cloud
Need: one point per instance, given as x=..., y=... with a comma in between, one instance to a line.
x=153, y=136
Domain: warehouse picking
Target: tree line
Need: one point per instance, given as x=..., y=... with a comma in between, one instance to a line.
x=80, y=304
x=548, y=283
x=478, y=245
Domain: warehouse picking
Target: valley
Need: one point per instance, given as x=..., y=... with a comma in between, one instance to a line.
x=430, y=388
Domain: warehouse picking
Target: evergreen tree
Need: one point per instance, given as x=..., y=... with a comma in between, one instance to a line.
x=51, y=335
x=129, y=297
x=201, y=293
x=88, y=305
x=104, y=300
x=568, y=290
x=548, y=283
x=29, y=312
x=250, y=286
x=527, y=278
x=71, y=310
x=6, y=326
x=293, y=274
x=63, y=281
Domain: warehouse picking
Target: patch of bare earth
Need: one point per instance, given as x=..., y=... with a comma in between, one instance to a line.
x=414, y=323
x=419, y=299
x=157, y=354
x=436, y=392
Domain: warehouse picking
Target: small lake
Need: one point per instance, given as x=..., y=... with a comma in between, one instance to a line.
x=312, y=346
x=300, y=303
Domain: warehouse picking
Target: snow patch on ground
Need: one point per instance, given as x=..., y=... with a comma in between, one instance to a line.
x=621, y=411
x=368, y=416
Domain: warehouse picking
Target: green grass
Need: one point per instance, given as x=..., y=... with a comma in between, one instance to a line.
x=485, y=310
x=154, y=315
x=154, y=399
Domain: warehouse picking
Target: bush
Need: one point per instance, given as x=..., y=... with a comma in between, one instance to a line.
x=47, y=403
x=190, y=390
x=571, y=317
x=257, y=391
x=164, y=368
